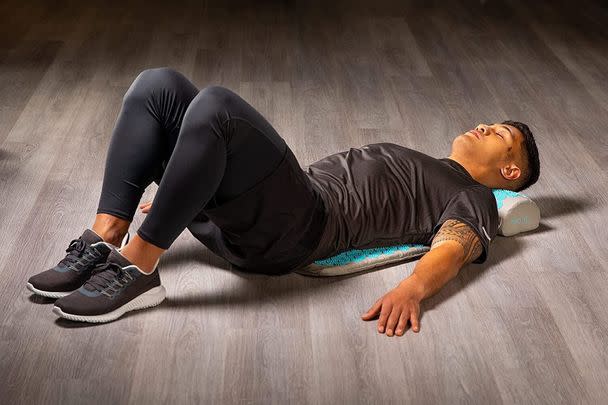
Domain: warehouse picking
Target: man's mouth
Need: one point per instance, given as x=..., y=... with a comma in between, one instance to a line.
x=476, y=134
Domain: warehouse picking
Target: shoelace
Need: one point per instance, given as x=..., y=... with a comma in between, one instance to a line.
x=106, y=276
x=78, y=254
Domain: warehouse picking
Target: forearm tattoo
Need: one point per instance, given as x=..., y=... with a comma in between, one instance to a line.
x=462, y=233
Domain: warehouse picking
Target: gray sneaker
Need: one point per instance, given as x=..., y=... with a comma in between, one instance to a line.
x=83, y=254
x=115, y=287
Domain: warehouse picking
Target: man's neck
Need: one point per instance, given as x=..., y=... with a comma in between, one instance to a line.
x=471, y=168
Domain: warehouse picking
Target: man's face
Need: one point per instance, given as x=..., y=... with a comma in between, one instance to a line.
x=493, y=146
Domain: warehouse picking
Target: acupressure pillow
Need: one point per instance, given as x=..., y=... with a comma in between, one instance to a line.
x=517, y=213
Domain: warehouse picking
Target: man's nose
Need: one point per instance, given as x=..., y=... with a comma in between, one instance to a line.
x=482, y=129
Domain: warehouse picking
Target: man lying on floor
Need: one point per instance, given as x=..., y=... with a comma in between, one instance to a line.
x=224, y=173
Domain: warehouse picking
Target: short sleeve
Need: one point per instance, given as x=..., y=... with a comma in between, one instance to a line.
x=475, y=206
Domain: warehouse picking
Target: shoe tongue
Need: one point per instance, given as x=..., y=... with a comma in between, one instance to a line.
x=90, y=237
x=116, y=257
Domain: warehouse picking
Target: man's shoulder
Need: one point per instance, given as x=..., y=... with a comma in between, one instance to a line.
x=482, y=191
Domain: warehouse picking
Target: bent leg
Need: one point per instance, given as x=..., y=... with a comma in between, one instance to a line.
x=144, y=135
x=224, y=148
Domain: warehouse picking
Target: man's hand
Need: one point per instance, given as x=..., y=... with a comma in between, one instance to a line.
x=455, y=245
x=145, y=207
x=397, y=307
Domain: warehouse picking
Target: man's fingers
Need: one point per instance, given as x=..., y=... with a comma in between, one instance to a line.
x=386, y=311
x=414, y=319
x=145, y=207
x=392, y=321
x=373, y=310
x=405, y=315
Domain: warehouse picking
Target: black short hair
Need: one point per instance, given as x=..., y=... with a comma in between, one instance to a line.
x=530, y=156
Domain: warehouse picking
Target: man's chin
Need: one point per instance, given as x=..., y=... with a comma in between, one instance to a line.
x=460, y=139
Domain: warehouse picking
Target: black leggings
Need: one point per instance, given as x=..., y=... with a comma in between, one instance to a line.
x=196, y=145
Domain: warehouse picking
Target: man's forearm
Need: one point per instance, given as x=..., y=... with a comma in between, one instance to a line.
x=434, y=270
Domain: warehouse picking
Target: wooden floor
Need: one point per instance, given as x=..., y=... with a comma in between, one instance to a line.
x=528, y=326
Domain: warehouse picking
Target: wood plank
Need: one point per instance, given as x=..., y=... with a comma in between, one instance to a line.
x=527, y=326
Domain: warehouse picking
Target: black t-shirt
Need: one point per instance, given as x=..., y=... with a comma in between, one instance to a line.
x=384, y=194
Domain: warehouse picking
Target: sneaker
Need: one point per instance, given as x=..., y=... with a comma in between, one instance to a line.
x=75, y=268
x=115, y=287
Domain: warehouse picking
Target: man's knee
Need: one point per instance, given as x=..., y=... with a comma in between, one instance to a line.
x=212, y=102
x=153, y=79
x=216, y=95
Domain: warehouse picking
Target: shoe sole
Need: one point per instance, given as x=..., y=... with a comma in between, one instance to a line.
x=150, y=298
x=48, y=294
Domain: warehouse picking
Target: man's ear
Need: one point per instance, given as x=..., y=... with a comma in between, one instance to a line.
x=511, y=171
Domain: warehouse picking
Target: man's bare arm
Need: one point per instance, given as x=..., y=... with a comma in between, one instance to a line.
x=454, y=246
x=464, y=235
